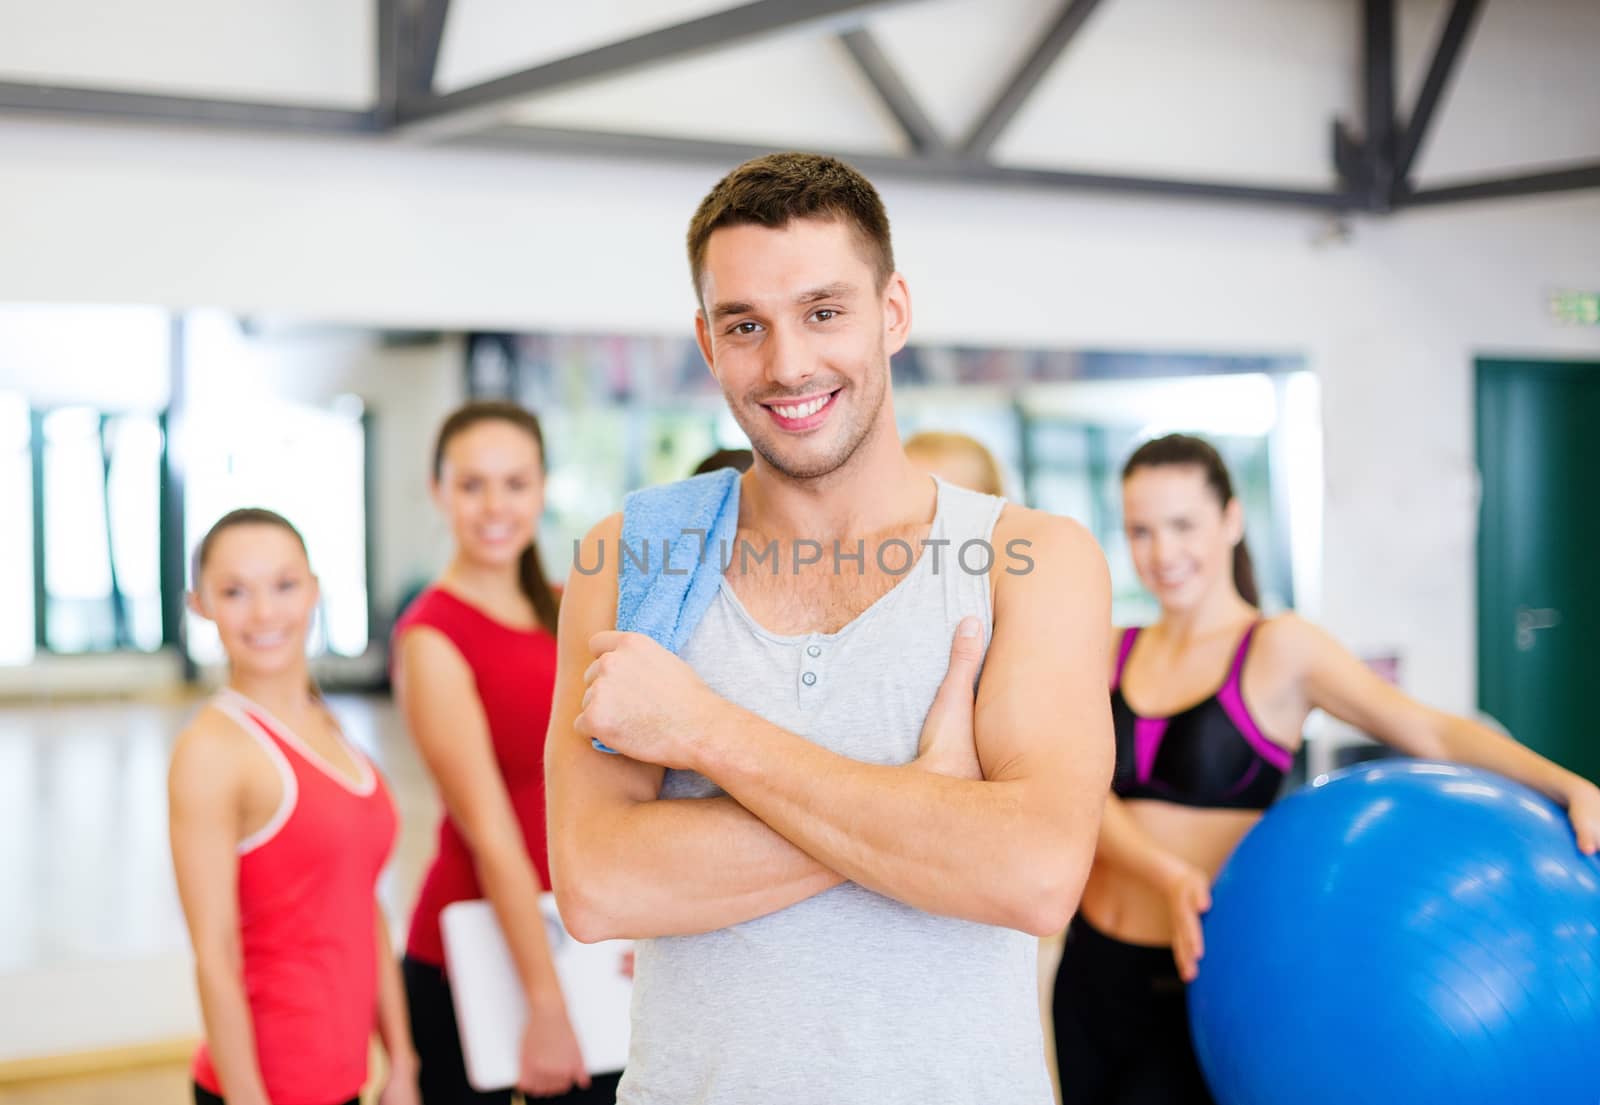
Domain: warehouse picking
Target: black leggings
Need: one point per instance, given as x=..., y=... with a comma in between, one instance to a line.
x=203, y=1096
x=1122, y=1025
x=443, y=1074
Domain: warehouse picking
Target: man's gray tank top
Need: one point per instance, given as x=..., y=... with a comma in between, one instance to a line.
x=849, y=997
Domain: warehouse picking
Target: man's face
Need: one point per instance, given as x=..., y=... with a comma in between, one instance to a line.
x=799, y=336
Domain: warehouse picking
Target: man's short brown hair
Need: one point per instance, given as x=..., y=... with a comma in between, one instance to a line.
x=776, y=189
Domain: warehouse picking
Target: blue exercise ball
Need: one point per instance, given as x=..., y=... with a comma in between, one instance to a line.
x=1403, y=932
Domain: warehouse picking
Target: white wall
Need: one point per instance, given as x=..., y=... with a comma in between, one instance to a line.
x=114, y=356
x=313, y=52
x=385, y=233
x=407, y=389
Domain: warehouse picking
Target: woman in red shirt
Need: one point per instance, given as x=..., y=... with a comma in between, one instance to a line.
x=474, y=668
x=279, y=829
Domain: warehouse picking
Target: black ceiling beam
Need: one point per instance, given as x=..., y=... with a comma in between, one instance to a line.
x=140, y=107
x=1004, y=107
x=922, y=136
x=391, y=59
x=725, y=155
x=1452, y=40
x=409, y=36
x=1378, y=144
x=480, y=104
x=1568, y=179
x=428, y=37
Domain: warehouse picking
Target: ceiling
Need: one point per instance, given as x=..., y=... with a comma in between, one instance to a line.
x=1374, y=105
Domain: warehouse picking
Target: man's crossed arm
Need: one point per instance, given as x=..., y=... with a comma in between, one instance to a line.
x=995, y=821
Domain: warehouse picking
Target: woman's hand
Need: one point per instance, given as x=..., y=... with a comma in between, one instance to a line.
x=400, y=1086
x=551, y=1060
x=1583, y=810
x=1188, y=894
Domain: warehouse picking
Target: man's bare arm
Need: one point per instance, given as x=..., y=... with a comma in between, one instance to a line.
x=623, y=862
x=1012, y=848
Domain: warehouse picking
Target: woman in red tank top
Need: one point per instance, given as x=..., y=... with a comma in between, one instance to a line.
x=279, y=830
x=474, y=668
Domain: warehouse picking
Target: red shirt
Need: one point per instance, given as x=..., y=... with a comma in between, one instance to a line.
x=515, y=673
x=308, y=920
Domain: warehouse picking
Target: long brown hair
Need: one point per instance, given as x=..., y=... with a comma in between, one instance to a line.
x=530, y=572
x=1181, y=450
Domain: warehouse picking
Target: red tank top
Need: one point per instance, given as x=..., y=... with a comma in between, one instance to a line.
x=515, y=673
x=307, y=895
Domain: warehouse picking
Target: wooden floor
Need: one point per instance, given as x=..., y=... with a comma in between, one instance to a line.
x=150, y=1086
x=85, y=874
x=87, y=903
x=166, y=1084
x=93, y=949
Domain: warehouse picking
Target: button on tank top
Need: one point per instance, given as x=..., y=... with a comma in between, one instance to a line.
x=849, y=997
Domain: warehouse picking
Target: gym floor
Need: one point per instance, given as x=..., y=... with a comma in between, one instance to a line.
x=87, y=899
x=86, y=890
x=167, y=1084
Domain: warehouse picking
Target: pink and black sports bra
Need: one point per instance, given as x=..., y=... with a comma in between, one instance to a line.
x=1211, y=755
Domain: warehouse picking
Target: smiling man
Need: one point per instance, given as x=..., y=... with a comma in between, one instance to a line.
x=834, y=850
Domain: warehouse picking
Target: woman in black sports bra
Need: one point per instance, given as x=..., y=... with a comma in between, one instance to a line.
x=1208, y=704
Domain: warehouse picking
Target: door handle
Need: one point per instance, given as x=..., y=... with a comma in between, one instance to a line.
x=1529, y=620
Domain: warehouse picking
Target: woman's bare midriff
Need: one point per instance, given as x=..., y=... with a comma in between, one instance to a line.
x=1130, y=909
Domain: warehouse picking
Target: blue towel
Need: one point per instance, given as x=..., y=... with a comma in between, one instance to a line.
x=675, y=539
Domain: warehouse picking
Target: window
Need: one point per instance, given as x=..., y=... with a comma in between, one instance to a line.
x=133, y=500
x=102, y=478
x=16, y=536
x=622, y=412
x=309, y=465
x=988, y=414
x=1080, y=434
x=91, y=559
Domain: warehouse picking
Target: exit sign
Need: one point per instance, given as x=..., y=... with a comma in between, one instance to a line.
x=1576, y=308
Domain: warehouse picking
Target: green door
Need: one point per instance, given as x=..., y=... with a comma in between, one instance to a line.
x=1539, y=554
